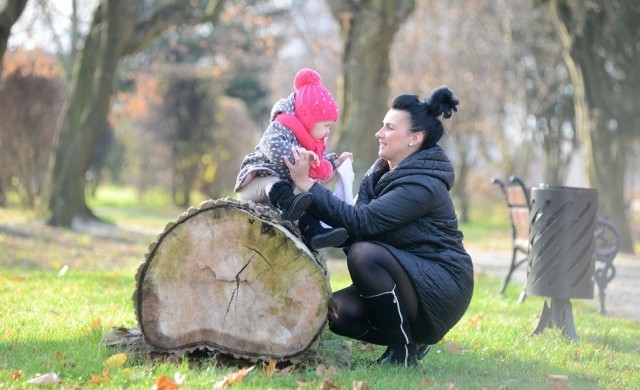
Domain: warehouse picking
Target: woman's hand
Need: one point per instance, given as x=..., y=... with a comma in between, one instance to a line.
x=299, y=168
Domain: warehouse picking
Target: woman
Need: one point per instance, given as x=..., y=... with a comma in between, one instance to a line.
x=412, y=277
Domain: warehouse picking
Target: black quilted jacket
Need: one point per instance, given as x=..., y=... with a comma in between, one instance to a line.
x=409, y=211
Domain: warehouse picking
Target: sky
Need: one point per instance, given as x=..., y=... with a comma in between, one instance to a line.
x=46, y=24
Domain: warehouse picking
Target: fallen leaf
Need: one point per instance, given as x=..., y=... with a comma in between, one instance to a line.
x=367, y=347
x=116, y=361
x=44, y=379
x=475, y=320
x=15, y=375
x=234, y=377
x=96, y=379
x=96, y=323
x=360, y=385
x=450, y=385
x=58, y=356
x=326, y=385
x=164, y=383
x=270, y=368
x=451, y=346
x=558, y=382
x=328, y=371
x=63, y=270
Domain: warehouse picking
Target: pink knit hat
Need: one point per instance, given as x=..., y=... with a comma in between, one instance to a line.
x=313, y=102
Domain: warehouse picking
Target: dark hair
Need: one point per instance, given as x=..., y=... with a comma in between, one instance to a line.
x=425, y=114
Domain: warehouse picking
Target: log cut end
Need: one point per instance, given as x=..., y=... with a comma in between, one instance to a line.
x=232, y=277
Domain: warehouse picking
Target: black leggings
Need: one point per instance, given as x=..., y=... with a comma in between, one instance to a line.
x=373, y=270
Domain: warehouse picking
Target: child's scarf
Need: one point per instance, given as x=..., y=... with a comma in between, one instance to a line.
x=321, y=170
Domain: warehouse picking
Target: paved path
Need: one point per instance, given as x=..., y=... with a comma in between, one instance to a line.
x=622, y=295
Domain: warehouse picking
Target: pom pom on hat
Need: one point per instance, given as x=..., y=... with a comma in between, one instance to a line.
x=313, y=102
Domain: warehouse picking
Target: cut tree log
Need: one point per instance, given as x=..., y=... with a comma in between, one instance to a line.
x=234, y=278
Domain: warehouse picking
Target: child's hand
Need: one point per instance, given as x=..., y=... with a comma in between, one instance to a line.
x=343, y=156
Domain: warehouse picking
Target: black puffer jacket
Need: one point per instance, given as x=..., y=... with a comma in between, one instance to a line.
x=409, y=211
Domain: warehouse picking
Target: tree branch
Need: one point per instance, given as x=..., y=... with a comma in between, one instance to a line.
x=175, y=13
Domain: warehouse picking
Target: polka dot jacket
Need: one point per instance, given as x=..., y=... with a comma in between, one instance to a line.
x=267, y=159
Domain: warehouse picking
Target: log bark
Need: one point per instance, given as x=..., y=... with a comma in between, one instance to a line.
x=232, y=277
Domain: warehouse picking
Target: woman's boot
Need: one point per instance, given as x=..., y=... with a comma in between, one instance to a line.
x=392, y=321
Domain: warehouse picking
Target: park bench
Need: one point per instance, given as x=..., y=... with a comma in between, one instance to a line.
x=518, y=200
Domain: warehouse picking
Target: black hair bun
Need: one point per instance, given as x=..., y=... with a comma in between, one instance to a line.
x=442, y=101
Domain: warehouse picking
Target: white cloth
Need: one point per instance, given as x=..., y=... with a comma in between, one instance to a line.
x=344, y=186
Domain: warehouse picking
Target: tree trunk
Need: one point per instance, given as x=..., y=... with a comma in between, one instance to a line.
x=8, y=17
x=233, y=278
x=85, y=110
x=601, y=99
x=367, y=30
x=116, y=30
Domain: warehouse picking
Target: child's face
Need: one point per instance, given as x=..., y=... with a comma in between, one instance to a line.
x=321, y=130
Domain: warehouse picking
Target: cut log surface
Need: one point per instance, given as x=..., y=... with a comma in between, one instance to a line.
x=232, y=277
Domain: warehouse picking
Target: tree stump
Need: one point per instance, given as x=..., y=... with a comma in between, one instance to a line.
x=232, y=277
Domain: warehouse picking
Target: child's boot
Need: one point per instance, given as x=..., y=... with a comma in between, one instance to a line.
x=318, y=236
x=292, y=206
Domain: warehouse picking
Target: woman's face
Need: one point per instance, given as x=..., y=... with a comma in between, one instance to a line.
x=396, y=139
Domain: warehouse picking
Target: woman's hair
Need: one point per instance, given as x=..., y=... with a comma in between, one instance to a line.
x=425, y=114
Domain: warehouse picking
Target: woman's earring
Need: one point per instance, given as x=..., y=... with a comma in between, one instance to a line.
x=410, y=144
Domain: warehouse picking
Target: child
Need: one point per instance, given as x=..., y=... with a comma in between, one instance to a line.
x=302, y=120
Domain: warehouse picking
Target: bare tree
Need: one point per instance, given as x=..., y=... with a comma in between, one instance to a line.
x=119, y=28
x=8, y=17
x=29, y=95
x=367, y=31
x=600, y=49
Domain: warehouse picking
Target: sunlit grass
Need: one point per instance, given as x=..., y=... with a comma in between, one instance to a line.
x=60, y=291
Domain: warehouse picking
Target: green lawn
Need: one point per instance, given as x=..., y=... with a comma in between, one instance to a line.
x=52, y=318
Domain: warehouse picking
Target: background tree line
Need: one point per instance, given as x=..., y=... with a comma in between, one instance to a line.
x=172, y=95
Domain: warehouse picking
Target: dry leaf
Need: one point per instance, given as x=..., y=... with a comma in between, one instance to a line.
x=326, y=385
x=58, y=356
x=63, y=270
x=367, y=347
x=559, y=382
x=451, y=346
x=361, y=385
x=270, y=368
x=116, y=361
x=15, y=375
x=164, y=383
x=235, y=377
x=45, y=379
x=96, y=379
x=328, y=371
x=450, y=385
x=475, y=320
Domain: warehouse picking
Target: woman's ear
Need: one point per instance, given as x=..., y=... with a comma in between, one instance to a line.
x=417, y=138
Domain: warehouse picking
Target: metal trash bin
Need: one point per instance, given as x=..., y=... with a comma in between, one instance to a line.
x=562, y=257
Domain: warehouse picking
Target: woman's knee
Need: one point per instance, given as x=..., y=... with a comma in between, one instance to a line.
x=359, y=256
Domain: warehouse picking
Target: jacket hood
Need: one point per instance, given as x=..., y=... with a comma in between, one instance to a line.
x=283, y=105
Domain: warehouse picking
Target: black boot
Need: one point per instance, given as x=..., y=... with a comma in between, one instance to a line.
x=292, y=206
x=318, y=236
x=391, y=319
x=421, y=352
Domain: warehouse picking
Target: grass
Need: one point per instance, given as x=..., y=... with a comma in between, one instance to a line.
x=52, y=321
